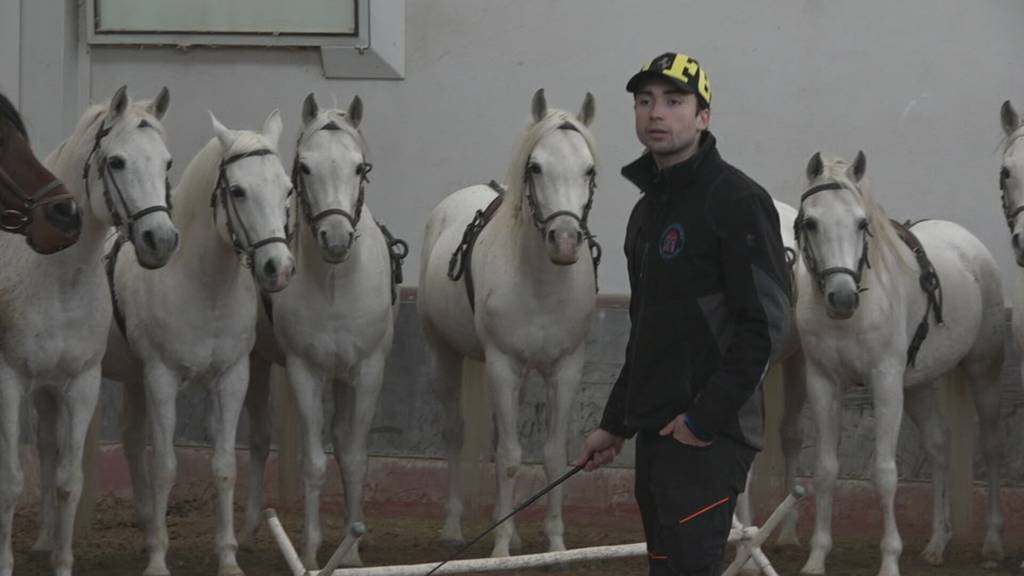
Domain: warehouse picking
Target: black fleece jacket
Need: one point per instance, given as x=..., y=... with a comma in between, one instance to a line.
x=710, y=299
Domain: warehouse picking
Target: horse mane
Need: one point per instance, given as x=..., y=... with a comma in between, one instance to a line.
x=192, y=194
x=9, y=113
x=884, y=240
x=553, y=120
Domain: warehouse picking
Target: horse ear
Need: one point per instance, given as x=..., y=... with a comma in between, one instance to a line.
x=856, y=171
x=355, y=111
x=272, y=127
x=158, y=107
x=1009, y=117
x=118, y=103
x=586, y=115
x=227, y=137
x=539, y=105
x=815, y=167
x=310, y=109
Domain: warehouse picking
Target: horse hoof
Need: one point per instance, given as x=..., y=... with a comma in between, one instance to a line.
x=990, y=565
x=231, y=570
x=157, y=572
x=932, y=557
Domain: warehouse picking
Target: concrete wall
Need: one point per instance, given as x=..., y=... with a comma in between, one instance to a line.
x=916, y=84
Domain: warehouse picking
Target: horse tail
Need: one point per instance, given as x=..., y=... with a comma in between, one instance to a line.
x=960, y=415
x=767, y=476
x=478, y=444
x=288, y=432
x=90, y=476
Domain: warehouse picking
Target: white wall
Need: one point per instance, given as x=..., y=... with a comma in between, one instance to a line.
x=916, y=84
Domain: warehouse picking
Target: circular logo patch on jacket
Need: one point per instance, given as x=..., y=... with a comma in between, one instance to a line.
x=671, y=243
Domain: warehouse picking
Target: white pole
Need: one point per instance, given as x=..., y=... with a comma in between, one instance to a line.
x=281, y=537
x=753, y=545
x=501, y=564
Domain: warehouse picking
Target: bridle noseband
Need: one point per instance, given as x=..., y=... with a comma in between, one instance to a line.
x=800, y=231
x=246, y=250
x=17, y=218
x=125, y=223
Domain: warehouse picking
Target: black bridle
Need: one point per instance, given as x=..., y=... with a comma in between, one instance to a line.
x=540, y=221
x=17, y=218
x=123, y=218
x=246, y=250
x=306, y=204
x=800, y=231
x=1010, y=212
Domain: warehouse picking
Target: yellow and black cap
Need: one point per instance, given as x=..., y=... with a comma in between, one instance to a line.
x=679, y=69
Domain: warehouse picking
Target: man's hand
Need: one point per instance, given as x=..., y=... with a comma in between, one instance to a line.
x=600, y=448
x=682, y=433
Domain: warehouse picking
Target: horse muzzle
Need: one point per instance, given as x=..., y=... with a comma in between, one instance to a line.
x=563, y=243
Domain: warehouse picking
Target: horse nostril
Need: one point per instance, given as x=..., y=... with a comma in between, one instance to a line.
x=1016, y=240
x=579, y=236
x=551, y=236
x=270, y=268
x=64, y=212
x=323, y=236
x=149, y=240
x=832, y=299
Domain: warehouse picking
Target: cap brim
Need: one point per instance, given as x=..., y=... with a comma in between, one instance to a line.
x=640, y=77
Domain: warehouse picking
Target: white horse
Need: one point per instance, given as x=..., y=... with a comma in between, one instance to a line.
x=861, y=305
x=1011, y=182
x=534, y=298
x=193, y=321
x=54, y=307
x=334, y=324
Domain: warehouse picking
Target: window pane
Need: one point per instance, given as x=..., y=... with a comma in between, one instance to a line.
x=227, y=16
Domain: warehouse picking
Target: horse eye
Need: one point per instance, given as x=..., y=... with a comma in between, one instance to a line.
x=304, y=168
x=810, y=225
x=116, y=163
x=533, y=167
x=364, y=168
x=1004, y=174
x=862, y=224
x=591, y=172
x=237, y=192
x=170, y=163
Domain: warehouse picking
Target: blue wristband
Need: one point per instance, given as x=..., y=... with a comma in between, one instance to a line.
x=697, y=430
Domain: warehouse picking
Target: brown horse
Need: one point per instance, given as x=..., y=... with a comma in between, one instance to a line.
x=33, y=202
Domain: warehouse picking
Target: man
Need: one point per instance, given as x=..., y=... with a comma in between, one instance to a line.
x=708, y=310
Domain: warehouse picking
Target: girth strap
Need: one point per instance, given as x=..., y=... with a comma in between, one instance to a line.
x=110, y=262
x=929, y=281
x=461, y=262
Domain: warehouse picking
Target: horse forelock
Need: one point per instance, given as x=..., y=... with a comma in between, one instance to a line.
x=332, y=119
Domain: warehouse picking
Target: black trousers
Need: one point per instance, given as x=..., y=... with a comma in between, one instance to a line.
x=687, y=496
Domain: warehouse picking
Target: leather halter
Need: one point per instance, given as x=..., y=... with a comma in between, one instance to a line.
x=800, y=230
x=247, y=249
x=1009, y=212
x=124, y=222
x=17, y=218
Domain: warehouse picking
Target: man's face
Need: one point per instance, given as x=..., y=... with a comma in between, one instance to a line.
x=667, y=121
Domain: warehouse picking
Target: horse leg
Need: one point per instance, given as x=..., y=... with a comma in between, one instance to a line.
x=986, y=389
x=921, y=405
x=350, y=439
x=46, y=440
x=562, y=382
x=161, y=393
x=505, y=377
x=887, y=398
x=78, y=405
x=133, y=432
x=12, y=479
x=823, y=392
x=795, y=394
x=257, y=401
x=308, y=390
x=228, y=395
x=448, y=388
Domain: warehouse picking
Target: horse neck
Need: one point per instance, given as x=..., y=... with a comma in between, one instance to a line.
x=204, y=254
x=92, y=239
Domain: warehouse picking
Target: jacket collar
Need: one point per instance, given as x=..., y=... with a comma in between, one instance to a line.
x=645, y=174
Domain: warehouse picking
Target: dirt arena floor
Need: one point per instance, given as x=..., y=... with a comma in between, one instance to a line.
x=405, y=535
